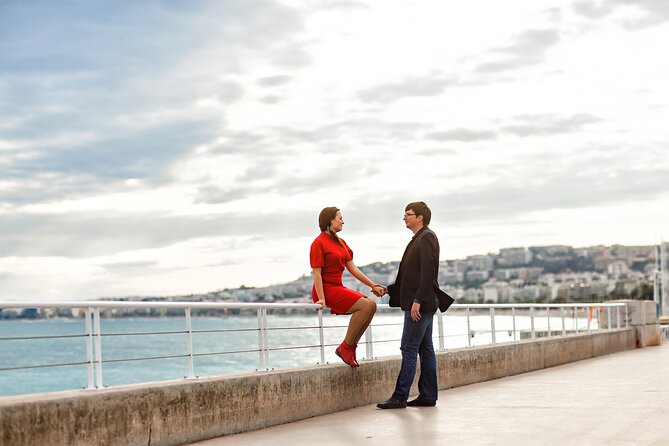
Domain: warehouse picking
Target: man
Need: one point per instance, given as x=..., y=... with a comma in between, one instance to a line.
x=417, y=292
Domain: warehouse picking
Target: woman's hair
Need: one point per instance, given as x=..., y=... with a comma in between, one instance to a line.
x=325, y=217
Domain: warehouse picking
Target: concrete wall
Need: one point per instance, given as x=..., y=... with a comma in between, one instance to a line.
x=640, y=314
x=177, y=412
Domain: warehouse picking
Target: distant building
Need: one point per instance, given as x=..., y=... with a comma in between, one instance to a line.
x=617, y=269
x=529, y=274
x=491, y=292
x=506, y=274
x=450, y=276
x=582, y=290
x=514, y=257
x=602, y=263
x=477, y=276
x=481, y=263
x=626, y=286
x=460, y=266
x=527, y=294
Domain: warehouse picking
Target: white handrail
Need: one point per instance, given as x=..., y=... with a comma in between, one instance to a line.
x=92, y=333
x=255, y=305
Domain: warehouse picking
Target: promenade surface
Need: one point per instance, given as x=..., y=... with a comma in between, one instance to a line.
x=619, y=399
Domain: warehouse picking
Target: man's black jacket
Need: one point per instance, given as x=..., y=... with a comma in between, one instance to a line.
x=417, y=276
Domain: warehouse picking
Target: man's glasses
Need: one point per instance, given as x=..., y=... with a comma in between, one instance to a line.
x=406, y=215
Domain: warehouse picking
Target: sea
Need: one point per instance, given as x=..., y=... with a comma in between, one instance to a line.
x=140, y=350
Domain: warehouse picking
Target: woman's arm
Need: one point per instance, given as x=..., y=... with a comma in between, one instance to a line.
x=376, y=289
x=318, y=284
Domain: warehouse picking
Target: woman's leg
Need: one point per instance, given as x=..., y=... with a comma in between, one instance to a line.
x=361, y=313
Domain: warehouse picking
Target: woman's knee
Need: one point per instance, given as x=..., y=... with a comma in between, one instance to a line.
x=371, y=306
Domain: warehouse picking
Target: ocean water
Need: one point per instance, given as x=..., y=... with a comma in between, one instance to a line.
x=222, y=345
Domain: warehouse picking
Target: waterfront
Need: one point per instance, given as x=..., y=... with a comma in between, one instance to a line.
x=221, y=345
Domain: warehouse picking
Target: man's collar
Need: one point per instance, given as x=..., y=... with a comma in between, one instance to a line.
x=419, y=231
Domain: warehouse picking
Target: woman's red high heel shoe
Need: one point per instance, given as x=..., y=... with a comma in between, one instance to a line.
x=355, y=359
x=345, y=352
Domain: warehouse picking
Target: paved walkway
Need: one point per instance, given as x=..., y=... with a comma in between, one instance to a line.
x=620, y=399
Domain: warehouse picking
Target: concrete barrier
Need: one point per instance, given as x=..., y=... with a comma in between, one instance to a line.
x=183, y=411
x=642, y=315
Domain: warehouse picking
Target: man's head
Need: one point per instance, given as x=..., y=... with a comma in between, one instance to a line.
x=417, y=215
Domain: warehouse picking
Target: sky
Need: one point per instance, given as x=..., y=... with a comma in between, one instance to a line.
x=167, y=148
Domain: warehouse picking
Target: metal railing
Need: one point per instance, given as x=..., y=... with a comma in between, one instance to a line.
x=480, y=324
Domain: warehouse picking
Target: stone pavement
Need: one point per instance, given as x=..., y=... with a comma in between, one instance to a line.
x=619, y=399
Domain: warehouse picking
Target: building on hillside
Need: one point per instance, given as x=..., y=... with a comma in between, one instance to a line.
x=530, y=293
x=529, y=274
x=450, y=276
x=514, y=257
x=477, y=276
x=481, y=262
x=618, y=269
x=582, y=291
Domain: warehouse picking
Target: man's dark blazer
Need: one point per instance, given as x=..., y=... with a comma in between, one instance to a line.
x=417, y=275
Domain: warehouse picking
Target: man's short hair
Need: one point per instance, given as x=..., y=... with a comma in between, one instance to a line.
x=420, y=208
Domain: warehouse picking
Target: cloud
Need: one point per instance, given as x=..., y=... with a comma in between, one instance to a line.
x=92, y=234
x=129, y=267
x=277, y=180
x=217, y=195
x=410, y=86
x=520, y=125
x=344, y=5
x=526, y=184
x=527, y=49
x=548, y=124
x=463, y=134
x=272, y=81
x=95, y=94
x=632, y=14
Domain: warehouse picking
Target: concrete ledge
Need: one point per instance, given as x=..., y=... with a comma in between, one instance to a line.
x=177, y=412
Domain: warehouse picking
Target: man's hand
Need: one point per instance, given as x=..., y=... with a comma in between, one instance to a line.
x=379, y=290
x=415, y=312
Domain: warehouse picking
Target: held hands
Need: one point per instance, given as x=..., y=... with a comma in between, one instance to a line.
x=379, y=290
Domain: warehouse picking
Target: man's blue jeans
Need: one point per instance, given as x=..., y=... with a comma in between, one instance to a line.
x=417, y=341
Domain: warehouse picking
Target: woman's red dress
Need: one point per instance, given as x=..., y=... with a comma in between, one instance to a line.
x=331, y=257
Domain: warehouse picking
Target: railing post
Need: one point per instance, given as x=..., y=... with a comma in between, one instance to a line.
x=532, y=333
x=189, y=345
x=440, y=325
x=617, y=317
x=627, y=315
x=261, y=346
x=492, y=324
x=608, y=316
x=513, y=319
x=576, y=319
x=589, y=316
x=469, y=330
x=369, y=349
x=265, y=337
x=564, y=328
x=548, y=318
x=98, y=348
x=320, y=335
x=90, y=367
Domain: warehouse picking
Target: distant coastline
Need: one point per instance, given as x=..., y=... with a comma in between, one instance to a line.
x=538, y=274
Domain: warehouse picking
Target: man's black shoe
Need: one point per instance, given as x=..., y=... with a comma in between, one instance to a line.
x=422, y=402
x=392, y=403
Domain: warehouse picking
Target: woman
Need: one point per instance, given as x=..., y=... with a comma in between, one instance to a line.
x=329, y=256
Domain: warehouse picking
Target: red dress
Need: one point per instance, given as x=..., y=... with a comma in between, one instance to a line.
x=331, y=257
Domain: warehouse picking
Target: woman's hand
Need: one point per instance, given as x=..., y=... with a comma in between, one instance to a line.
x=378, y=290
x=321, y=302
